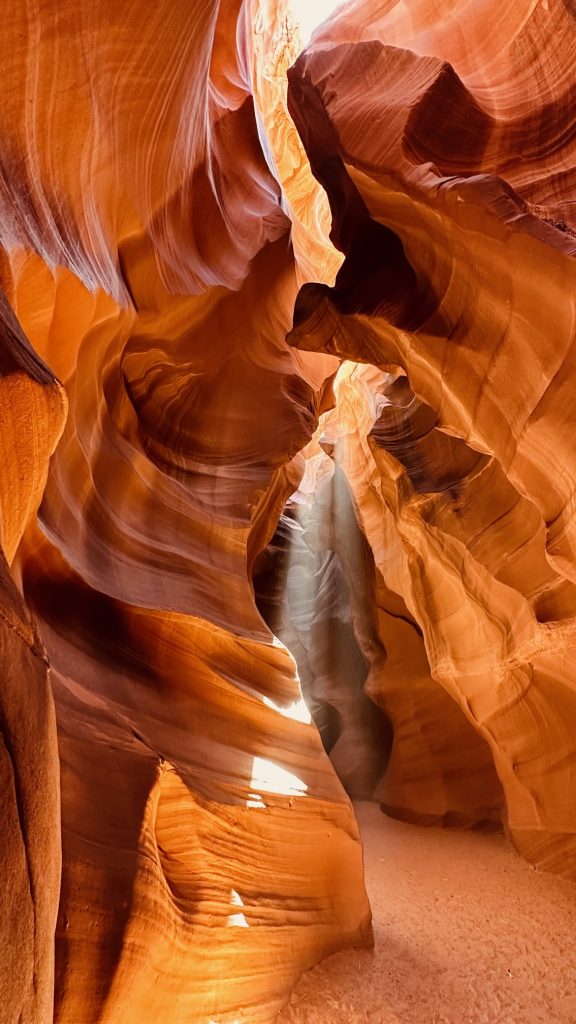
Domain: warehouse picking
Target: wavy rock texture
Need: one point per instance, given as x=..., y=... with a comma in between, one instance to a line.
x=209, y=852
x=439, y=771
x=451, y=278
x=32, y=409
x=164, y=228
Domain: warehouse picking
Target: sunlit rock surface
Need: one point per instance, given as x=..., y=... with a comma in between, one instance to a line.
x=459, y=272
x=194, y=265
x=439, y=771
x=210, y=854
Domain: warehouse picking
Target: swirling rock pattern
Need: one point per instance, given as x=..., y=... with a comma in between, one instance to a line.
x=210, y=853
x=439, y=771
x=451, y=278
x=194, y=266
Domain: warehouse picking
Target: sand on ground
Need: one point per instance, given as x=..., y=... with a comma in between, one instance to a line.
x=465, y=933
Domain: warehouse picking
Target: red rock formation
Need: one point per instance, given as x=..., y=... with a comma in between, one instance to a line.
x=32, y=407
x=209, y=852
x=439, y=770
x=449, y=277
x=162, y=232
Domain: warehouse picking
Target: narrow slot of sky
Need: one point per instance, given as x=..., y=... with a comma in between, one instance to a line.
x=311, y=13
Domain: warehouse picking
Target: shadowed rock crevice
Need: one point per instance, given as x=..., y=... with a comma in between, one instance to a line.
x=313, y=586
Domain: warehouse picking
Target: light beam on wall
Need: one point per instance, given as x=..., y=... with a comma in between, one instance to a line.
x=268, y=777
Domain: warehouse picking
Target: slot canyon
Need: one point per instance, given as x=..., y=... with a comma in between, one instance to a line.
x=288, y=512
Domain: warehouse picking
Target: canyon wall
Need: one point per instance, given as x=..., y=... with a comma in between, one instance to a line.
x=448, y=173
x=296, y=335
x=209, y=852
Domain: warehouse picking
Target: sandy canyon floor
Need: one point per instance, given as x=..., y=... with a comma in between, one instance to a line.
x=465, y=933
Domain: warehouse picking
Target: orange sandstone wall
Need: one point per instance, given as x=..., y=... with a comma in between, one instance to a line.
x=210, y=853
x=459, y=273
x=32, y=411
x=169, y=251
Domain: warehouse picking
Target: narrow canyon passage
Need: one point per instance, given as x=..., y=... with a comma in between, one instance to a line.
x=465, y=933
x=287, y=511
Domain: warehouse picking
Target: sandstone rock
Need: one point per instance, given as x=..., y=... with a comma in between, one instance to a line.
x=450, y=279
x=210, y=854
x=165, y=226
x=32, y=407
